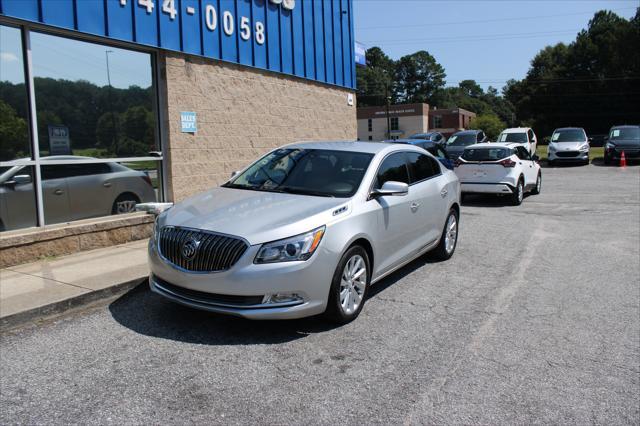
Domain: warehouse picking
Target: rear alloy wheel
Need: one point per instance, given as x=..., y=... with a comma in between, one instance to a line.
x=518, y=194
x=448, y=239
x=538, y=187
x=125, y=203
x=349, y=286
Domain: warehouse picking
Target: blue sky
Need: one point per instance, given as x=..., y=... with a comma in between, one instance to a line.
x=488, y=41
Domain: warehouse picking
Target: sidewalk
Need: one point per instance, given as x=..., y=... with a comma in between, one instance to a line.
x=34, y=290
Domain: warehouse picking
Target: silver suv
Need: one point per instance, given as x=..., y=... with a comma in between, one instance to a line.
x=305, y=230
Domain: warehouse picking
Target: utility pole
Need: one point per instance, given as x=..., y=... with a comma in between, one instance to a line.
x=388, y=99
x=113, y=117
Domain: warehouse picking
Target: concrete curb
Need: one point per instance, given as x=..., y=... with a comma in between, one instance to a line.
x=57, y=308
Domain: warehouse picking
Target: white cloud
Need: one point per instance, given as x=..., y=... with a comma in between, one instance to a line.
x=8, y=57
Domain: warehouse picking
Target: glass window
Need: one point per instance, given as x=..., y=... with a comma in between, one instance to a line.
x=370, y=125
x=513, y=137
x=421, y=167
x=486, y=154
x=14, y=123
x=92, y=100
x=393, y=168
x=17, y=190
x=522, y=153
x=437, y=121
x=395, y=123
x=569, y=135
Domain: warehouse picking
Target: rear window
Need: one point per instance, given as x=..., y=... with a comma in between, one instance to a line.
x=486, y=154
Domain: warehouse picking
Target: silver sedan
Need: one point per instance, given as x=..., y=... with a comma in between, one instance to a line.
x=306, y=230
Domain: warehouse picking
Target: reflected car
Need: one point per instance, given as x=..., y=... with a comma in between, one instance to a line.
x=70, y=191
x=458, y=141
x=569, y=144
x=622, y=139
x=305, y=230
x=436, y=149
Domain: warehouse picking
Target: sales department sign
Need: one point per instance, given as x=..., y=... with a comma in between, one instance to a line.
x=311, y=39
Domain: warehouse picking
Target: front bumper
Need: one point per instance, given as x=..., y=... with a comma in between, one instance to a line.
x=243, y=290
x=486, y=188
x=567, y=155
x=632, y=153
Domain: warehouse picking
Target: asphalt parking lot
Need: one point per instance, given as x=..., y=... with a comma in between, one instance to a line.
x=536, y=319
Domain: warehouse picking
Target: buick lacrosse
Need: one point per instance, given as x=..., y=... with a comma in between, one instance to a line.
x=306, y=230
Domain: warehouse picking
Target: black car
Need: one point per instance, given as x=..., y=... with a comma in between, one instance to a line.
x=436, y=149
x=459, y=140
x=435, y=137
x=622, y=139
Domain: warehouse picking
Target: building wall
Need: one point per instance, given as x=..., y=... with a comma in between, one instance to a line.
x=412, y=118
x=242, y=113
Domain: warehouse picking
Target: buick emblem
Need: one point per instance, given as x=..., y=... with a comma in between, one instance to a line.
x=190, y=248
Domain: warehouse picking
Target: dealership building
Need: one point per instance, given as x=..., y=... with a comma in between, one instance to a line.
x=107, y=103
x=401, y=121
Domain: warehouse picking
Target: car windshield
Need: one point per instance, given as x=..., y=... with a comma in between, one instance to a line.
x=569, y=135
x=318, y=172
x=462, y=140
x=513, y=137
x=486, y=154
x=625, y=133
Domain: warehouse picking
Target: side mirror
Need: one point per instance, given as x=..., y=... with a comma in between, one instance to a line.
x=19, y=180
x=391, y=188
x=589, y=140
x=234, y=173
x=535, y=158
x=606, y=138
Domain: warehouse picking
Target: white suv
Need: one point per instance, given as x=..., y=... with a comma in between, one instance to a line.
x=520, y=135
x=499, y=168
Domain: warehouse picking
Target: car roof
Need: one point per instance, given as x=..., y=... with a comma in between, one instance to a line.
x=491, y=145
x=625, y=126
x=516, y=130
x=569, y=128
x=352, y=146
x=467, y=132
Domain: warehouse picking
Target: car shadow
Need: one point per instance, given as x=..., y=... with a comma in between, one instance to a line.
x=599, y=162
x=149, y=314
x=561, y=165
x=488, y=200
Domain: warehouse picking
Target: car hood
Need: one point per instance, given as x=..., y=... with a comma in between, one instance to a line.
x=626, y=143
x=256, y=216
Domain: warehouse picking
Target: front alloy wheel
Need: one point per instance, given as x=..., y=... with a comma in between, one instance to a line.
x=449, y=238
x=349, y=286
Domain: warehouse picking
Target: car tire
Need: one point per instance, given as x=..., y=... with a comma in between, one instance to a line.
x=448, y=239
x=536, y=189
x=125, y=203
x=518, y=194
x=345, y=290
x=551, y=163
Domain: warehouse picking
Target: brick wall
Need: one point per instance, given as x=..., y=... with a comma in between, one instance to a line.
x=241, y=114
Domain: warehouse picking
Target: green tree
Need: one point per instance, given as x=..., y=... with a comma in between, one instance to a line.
x=418, y=77
x=489, y=123
x=14, y=136
x=375, y=81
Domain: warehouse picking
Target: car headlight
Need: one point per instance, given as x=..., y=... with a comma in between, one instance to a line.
x=300, y=247
x=584, y=147
x=609, y=145
x=552, y=147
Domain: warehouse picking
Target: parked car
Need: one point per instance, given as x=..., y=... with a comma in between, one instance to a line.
x=305, y=230
x=459, y=140
x=622, y=139
x=499, y=168
x=435, y=137
x=436, y=149
x=520, y=135
x=70, y=191
x=568, y=144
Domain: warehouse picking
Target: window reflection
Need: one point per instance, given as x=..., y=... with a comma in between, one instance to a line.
x=17, y=197
x=14, y=133
x=84, y=190
x=92, y=100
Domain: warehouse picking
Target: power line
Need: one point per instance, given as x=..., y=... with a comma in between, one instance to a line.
x=482, y=21
x=474, y=37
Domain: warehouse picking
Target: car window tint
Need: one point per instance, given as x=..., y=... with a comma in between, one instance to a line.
x=522, y=153
x=421, y=167
x=393, y=168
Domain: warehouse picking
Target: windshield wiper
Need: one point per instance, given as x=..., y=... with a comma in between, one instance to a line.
x=290, y=190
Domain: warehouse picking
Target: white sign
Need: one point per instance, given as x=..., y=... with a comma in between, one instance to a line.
x=59, y=142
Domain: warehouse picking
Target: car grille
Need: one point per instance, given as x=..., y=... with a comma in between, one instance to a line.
x=213, y=252
x=208, y=298
x=567, y=154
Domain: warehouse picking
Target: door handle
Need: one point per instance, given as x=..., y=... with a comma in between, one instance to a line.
x=414, y=206
x=58, y=191
x=444, y=193
x=107, y=184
